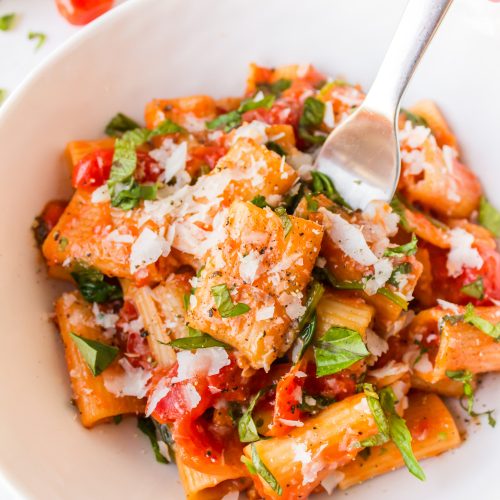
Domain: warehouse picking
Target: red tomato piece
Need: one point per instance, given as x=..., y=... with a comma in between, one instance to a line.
x=283, y=111
x=337, y=386
x=93, y=169
x=288, y=399
x=52, y=212
x=148, y=169
x=81, y=12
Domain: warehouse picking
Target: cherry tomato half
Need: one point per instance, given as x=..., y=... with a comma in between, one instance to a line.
x=93, y=169
x=81, y=12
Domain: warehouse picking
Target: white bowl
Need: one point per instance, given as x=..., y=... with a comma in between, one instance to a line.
x=157, y=48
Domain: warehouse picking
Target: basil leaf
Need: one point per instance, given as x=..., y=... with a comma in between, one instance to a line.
x=97, y=355
x=274, y=146
x=256, y=466
x=228, y=121
x=474, y=289
x=7, y=21
x=197, y=342
x=414, y=119
x=260, y=201
x=224, y=303
x=40, y=37
x=373, y=400
x=93, y=287
x=3, y=95
x=403, y=268
x=484, y=325
x=393, y=297
x=286, y=222
x=325, y=275
x=119, y=124
x=147, y=426
x=322, y=184
x=304, y=339
x=124, y=162
x=312, y=113
x=275, y=88
x=251, y=104
x=489, y=216
x=316, y=291
x=338, y=349
x=247, y=429
x=164, y=128
x=409, y=248
x=399, y=433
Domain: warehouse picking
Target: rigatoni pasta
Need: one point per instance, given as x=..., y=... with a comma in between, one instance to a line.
x=271, y=339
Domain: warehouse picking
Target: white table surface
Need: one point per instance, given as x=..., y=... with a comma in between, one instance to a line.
x=19, y=56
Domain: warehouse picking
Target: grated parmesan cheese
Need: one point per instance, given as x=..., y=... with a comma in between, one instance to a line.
x=264, y=313
x=131, y=382
x=332, y=481
x=249, y=265
x=202, y=362
x=147, y=249
x=349, y=238
x=161, y=389
x=100, y=194
x=462, y=254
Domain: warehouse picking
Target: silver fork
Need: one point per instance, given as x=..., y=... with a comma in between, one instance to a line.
x=361, y=155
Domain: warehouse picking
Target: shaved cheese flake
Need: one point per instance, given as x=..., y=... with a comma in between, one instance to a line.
x=462, y=254
x=329, y=117
x=382, y=270
x=161, y=389
x=116, y=237
x=413, y=136
x=424, y=364
x=291, y=423
x=201, y=362
x=293, y=305
x=191, y=396
x=376, y=345
x=391, y=369
x=147, y=249
x=131, y=382
x=106, y=320
x=332, y=481
x=448, y=306
x=264, y=313
x=249, y=265
x=349, y=238
x=255, y=130
x=100, y=194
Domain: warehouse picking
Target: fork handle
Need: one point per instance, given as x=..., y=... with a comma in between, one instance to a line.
x=420, y=21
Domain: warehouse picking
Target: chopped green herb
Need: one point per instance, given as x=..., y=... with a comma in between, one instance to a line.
x=393, y=297
x=285, y=220
x=63, y=243
x=399, y=208
x=40, y=37
x=482, y=324
x=312, y=204
x=413, y=118
x=97, y=355
x=147, y=426
x=7, y=21
x=325, y=275
x=322, y=184
x=224, y=303
x=311, y=119
x=197, y=341
x=93, y=285
x=304, y=339
x=227, y=121
x=230, y=120
x=373, y=400
x=117, y=419
x=314, y=404
x=489, y=217
x=185, y=301
x=466, y=377
x=338, y=349
x=274, y=146
x=315, y=292
x=120, y=124
x=409, y=248
x=474, y=289
x=247, y=429
x=400, y=269
x=260, y=201
x=275, y=88
x=256, y=466
x=3, y=95
x=250, y=104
